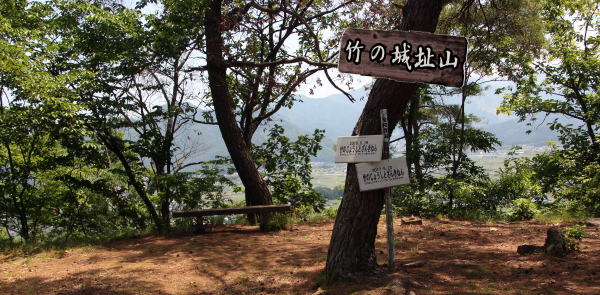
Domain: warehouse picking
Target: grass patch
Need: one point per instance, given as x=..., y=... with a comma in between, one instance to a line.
x=55, y=254
x=321, y=280
x=279, y=221
x=414, y=249
x=478, y=272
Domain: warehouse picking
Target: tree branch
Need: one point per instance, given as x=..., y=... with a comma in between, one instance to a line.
x=300, y=59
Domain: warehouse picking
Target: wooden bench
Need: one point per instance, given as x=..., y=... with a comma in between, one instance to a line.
x=199, y=214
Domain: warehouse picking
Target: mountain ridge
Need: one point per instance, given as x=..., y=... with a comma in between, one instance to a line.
x=337, y=116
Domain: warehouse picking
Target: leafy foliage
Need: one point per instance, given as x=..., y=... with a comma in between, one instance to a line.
x=94, y=96
x=573, y=236
x=287, y=167
x=522, y=209
x=564, y=82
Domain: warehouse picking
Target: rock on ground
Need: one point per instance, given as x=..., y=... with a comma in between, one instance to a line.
x=555, y=243
x=529, y=249
x=411, y=220
x=593, y=222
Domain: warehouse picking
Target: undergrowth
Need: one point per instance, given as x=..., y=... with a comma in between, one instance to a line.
x=54, y=246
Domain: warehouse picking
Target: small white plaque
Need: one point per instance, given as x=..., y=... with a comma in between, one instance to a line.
x=355, y=149
x=386, y=173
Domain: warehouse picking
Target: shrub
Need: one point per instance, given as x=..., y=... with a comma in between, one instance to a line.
x=522, y=209
x=303, y=213
x=279, y=221
x=562, y=211
x=331, y=213
x=408, y=200
x=573, y=236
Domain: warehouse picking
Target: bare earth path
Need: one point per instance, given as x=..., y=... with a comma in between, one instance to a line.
x=459, y=258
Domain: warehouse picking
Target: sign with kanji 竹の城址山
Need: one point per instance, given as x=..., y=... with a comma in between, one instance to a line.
x=404, y=56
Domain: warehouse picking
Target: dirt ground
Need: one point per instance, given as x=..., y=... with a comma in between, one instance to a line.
x=452, y=257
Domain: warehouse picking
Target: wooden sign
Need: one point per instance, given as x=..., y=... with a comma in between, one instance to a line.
x=378, y=175
x=354, y=149
x=404, y=56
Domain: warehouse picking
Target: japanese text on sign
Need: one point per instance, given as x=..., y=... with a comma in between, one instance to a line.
x=423, y=58
x=386, y=173
x=404, y=56
x=353, y=149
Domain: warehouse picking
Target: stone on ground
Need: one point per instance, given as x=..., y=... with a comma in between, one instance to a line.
x=555, y=243
x=593, y=222
x=529, y=249
x=411, y=220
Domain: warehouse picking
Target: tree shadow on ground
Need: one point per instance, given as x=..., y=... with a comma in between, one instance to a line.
x=85, y=282
x=458, y=258
x=481, y=258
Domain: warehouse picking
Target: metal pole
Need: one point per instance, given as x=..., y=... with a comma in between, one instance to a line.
x=389, y=217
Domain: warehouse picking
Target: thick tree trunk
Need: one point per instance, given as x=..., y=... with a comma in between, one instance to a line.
x=250, y=202
x=162, y=187
x=249, y=197
x=165, y=210
x=224, y=110
x=353, y=239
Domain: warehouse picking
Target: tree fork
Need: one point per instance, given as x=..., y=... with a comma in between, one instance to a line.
x=352, y=245
x=224, y=110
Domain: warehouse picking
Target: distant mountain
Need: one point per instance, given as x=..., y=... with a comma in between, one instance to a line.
x=337, y=116
x=507, y=128
x=512, y=132
x=205, y=141
x=335, y=113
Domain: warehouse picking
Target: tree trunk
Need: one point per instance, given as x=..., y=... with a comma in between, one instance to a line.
x=224, y=109
x=417, y=157
x=458, y=151
x=18, y=201
x=115, y=145
x=165, y=210
x=24, y=223
x=10, y=237
x=250, y=198
x=352, y=246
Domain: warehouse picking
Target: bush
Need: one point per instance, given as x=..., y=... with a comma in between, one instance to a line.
x=562, y=211
x=279, y=221
x=573, y=236
x=330, y=213
x=408, y=200
x=303, y=213
x=287, y=167
x=522, y=209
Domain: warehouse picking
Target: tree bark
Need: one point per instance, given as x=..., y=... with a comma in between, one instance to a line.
x=224, y=109
x=115, y=145
x=249, y=197
x=352, y=246
x=18, y=201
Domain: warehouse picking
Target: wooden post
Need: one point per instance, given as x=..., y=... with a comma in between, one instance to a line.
x=389, y=217
x=200, y=225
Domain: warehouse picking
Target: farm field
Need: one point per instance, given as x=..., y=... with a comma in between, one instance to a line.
x=450, y=257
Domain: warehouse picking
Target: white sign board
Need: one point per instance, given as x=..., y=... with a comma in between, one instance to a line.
x=355, y=149
x=378, y=175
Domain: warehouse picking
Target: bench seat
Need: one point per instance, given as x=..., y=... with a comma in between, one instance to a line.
x=199, y=214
